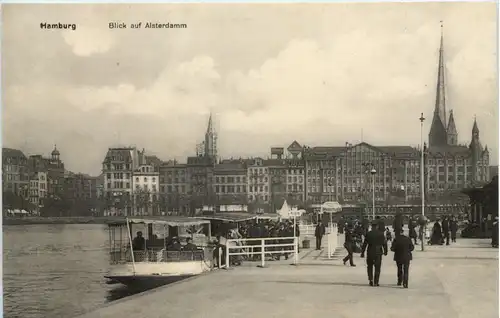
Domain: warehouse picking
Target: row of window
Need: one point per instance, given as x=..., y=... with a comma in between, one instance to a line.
x=230, y=189
x=146, y=187
x=38, y=193
x=118, y=166
x=16, y=177
x=228, y=179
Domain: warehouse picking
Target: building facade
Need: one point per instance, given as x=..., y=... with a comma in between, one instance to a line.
x=38, y=189
x=230, y=182
x=174, y=188
x=81, y=192
x=146, y=190
x=55, y=174
x=15, y=172
x=118, y=167
x=258, y=181
x=200, y=171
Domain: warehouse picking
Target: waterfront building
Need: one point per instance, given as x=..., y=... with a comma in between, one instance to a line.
x=55, y=174
x=100, y=186
x=277, y=169
x=80, y=191
x=230, y=182
x=146, y=189
x=38, y=189
x=174, y=188
x=200, y=171
x=350, y=174
x=15, y=173
x=258, y=184
x=118, y=167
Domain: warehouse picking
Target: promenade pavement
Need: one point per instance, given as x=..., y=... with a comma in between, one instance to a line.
x=445, y=282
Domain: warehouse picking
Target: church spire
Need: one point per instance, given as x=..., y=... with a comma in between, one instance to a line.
x=210, y=125
x=475, y=129
x=438, y=135
x=211, y=140
x=440, y=106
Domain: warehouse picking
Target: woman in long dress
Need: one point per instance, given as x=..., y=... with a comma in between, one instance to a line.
x=437, y=234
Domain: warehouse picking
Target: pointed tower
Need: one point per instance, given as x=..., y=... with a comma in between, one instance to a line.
x=452, y=131
x=476, y=150
x=211, y=139
x=438, y=135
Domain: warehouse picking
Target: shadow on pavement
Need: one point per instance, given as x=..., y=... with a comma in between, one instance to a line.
x=333, y=284
x=319, y=263
x=464, y=258
x=479, y=246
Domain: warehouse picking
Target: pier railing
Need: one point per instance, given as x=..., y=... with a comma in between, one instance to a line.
x=155, y=255
x=310, y=229
x=332, y=241
x=261, y=247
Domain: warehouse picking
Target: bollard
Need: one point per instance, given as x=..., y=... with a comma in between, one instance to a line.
x=262, y=253
x=227, y=254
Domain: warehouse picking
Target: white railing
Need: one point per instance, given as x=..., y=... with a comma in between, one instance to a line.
x=310, y=229
x=332, y=241
x=239, y=247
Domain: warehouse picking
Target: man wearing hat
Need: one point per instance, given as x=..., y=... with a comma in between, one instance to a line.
x=375, y=245
x=402, y=246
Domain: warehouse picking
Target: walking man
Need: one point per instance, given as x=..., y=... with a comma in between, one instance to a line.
x=445, y=226
x=318, y=233
x=375, y=245
x=402, y=246
x=453, y=229
x=349, y=246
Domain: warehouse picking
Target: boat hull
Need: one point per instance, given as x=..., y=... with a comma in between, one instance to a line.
x=152, y=274
x=146, y=281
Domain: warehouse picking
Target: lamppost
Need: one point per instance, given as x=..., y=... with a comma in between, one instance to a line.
x=373, y=172
x=422, y=192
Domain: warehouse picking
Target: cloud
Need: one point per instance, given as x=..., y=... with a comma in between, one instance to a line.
x=190, y=87
x=86, y=40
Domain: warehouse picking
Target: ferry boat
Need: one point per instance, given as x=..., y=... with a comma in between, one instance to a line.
x=155, y=262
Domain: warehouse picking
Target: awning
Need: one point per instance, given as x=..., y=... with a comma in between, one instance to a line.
x=267, y=216
x=229, y=217
x=166, y=220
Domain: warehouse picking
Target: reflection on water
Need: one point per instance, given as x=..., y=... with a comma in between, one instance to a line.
x=56, y=270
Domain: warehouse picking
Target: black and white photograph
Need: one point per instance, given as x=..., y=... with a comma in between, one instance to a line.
x=289, y=160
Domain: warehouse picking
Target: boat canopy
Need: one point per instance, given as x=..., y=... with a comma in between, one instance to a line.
x=229, y=217
x=166, y=220
x=268, y=216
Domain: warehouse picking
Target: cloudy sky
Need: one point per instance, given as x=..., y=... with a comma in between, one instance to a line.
x=316, y=73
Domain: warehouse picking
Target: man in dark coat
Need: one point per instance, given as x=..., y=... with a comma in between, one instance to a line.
x=402, y=246
x=453, y=229
x=318, y=233
x=375, y=245
x=380, y=224
x=397, y=224
x=365, y=224
x=412, y=233
x=341, y=225
x=445, y=228
x=349, y=246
